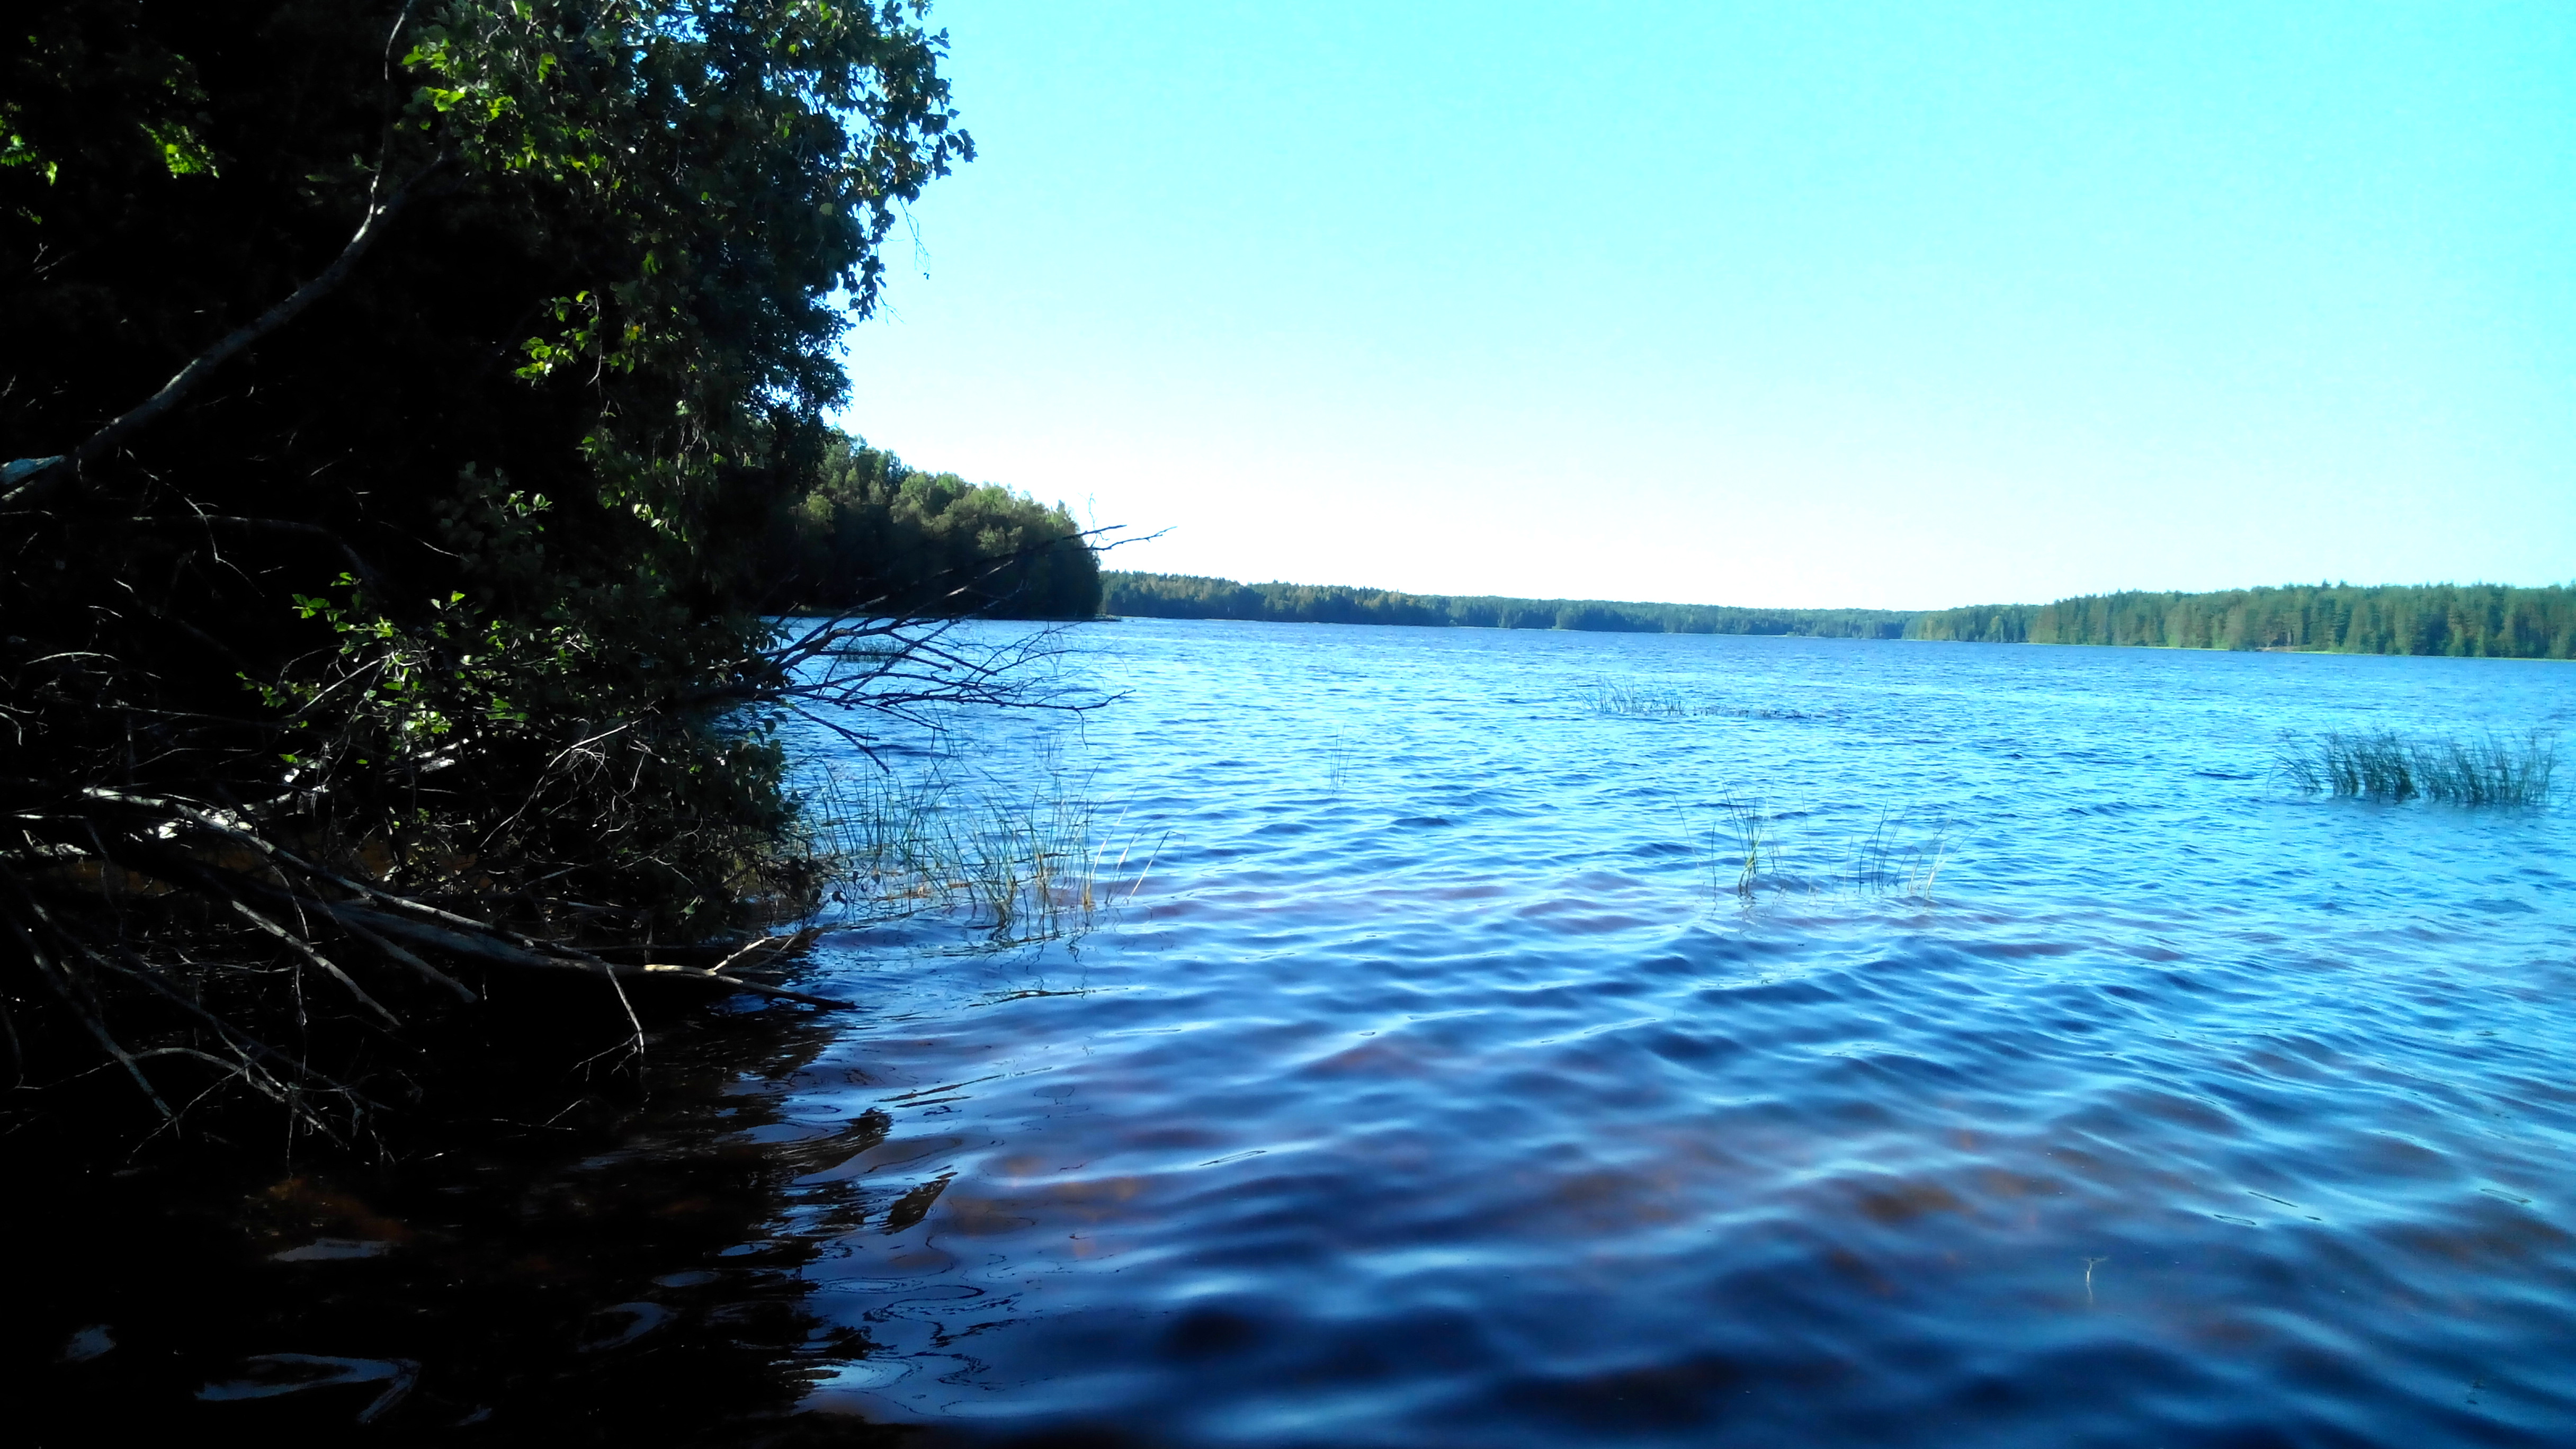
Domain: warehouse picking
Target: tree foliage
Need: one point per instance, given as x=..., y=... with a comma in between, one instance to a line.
x=398, y=394
x=869, y=533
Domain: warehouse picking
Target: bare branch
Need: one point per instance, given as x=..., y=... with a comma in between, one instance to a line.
x=305, y=949
x=38, y=479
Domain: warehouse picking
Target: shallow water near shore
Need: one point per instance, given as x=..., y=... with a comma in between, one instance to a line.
x=1430, y=1074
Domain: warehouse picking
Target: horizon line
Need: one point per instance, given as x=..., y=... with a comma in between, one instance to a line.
x=1107, y=573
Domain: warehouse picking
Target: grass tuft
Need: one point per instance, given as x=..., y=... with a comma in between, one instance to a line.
x=2384, y=765
x=1022, y=865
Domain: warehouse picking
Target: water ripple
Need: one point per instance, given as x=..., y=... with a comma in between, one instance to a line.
x=1438, y=1089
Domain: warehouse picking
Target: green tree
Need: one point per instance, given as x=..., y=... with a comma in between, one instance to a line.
x=870, y=534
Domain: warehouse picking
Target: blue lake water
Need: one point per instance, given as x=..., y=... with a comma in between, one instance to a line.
x=2063, y=1080
x=1426, y=1069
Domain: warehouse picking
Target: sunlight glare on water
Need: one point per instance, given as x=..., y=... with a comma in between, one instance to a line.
x=1437, y=1086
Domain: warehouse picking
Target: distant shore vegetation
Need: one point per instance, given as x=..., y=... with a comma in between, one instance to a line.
x=2473, y=620
x=2476, y=620
x=868, y=533
x=1190, y=596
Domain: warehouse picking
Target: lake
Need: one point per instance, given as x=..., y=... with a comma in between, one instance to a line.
x=1427, y=1068
x=1439, y=1086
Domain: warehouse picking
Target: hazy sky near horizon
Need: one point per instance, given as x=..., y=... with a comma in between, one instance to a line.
x=1876, y=305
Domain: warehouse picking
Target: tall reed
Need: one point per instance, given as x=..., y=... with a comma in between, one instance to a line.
x=1022, y=864
x=1743, y=824
x=1899, y=854
x=2384, y=765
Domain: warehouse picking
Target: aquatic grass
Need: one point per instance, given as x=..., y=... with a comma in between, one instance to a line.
x=2491, y=770
x=1026, y=864
x=1757, y=846
x=1636, y=702
x=1898, y=855
x=1337, y=766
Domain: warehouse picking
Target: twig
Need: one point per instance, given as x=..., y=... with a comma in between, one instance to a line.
x=305, y=949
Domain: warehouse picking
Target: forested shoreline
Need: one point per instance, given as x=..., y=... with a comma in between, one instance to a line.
x=1190, y=596
x=2472, y=620
x=415, y=430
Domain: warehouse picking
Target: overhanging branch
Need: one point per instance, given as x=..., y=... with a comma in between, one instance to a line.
x=39, y=478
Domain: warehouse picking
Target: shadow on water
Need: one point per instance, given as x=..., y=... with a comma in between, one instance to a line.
x=571, y=1254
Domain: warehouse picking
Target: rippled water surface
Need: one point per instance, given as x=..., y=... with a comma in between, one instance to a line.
x=1428, y=1071
x=1437, y=1086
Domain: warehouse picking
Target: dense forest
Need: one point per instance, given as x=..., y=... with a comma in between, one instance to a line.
x=868, y=533
x=2492, y=620
x=1187, y=596
x=2477, y=619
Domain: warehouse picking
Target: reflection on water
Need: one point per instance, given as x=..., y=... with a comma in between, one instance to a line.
x=579, y=1258
x=1440, y=1088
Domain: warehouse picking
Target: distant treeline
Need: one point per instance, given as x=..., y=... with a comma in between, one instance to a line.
x=2493, y=620
x=1187, y=596
x=869, y=533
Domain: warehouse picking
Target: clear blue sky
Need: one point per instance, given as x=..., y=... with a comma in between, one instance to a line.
x=1897, y=305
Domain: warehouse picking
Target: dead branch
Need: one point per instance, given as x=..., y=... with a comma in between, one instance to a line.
x=39, y=478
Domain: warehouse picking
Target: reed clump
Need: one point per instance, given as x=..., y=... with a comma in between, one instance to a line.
x=1757, y=847
x=1022, y=864
x=1898, y=854
x=2385, y=765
